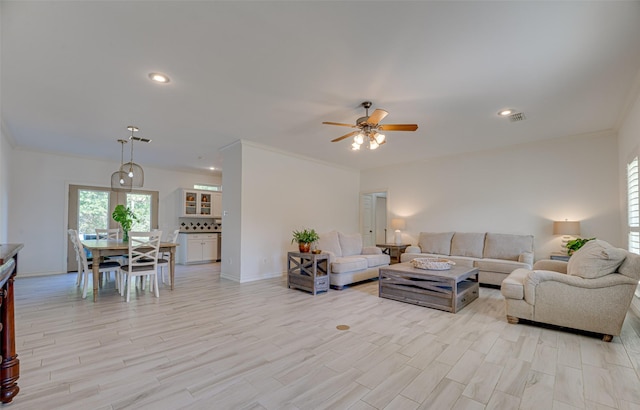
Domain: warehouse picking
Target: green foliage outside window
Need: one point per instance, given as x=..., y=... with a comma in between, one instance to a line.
x=93, y=211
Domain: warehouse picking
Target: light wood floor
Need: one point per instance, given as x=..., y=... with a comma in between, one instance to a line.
x=216, y=344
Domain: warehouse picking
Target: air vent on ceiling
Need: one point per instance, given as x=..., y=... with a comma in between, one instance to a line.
x=519, y=116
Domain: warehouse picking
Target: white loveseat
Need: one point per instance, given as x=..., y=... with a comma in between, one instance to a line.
x=495, y=255
x=349, y=261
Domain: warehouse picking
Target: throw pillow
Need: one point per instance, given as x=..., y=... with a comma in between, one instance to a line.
x=595, y=259
x=437, y=243
x=350, y=244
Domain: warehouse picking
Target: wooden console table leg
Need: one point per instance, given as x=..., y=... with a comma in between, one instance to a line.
x=10, y=366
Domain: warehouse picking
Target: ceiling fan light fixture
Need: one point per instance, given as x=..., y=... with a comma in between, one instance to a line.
x=355, y=146
x=359, y=139
x=380, y=138
x=373, y=144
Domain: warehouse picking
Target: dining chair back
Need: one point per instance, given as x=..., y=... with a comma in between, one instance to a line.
x=163, y=260
x=84, y=267
x=143, y=260
x=108, y=233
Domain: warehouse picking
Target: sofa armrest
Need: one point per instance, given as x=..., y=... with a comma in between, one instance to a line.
x=413, y=249
x=526, y=258
x=332, y=257
x=371, y=250
x=548, y=264
x=538, y=277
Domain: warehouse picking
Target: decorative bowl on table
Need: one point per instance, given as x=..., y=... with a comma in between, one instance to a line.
x=432, y=263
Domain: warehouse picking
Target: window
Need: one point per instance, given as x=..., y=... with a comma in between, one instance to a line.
x=633, y=206
x=204, y=187
x=633, y=209
x=140, y=204
x=93, y=211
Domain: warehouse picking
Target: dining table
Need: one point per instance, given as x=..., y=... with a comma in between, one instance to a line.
x=101, y=248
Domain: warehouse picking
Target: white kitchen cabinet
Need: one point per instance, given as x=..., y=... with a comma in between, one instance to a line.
x=194, y=203
x=217, y=204
x=197, y=248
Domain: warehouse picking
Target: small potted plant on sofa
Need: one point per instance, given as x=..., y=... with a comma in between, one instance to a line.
x=575, y=244
x=304, y=238
x=125, y=217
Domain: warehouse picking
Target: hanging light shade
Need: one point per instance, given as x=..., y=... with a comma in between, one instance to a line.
x=120, y=181
x=132, y=170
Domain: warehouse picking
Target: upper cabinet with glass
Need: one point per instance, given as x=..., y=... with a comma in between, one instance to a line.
x=202, y=204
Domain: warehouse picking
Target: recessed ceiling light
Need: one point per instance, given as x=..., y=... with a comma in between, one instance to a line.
x=505, y=112
x=212, y=168
x=159, y=78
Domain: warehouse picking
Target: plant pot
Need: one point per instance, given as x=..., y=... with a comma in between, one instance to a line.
x=304, y=247
x=125, y=236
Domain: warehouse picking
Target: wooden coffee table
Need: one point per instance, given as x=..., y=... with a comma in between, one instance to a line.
x=448, y=290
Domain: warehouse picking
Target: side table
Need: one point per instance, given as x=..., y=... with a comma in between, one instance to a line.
x=557, y=256
x=393, y=250
x=308, y=271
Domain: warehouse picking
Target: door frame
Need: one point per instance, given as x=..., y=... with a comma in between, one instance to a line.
x=374, y=192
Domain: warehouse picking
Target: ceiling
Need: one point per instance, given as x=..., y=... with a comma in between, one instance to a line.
x=74, y=75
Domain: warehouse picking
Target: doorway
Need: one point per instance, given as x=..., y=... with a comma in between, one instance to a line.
x=373, y=218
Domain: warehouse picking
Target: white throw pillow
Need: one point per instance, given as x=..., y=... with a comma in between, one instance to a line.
x=435, y=242
x=595, y=259
x=350, y=244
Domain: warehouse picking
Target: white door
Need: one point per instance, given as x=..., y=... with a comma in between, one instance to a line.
x=366, y=215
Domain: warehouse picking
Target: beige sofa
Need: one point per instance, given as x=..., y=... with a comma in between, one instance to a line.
x=495, y=255
x=349, y=261
x=591, y=292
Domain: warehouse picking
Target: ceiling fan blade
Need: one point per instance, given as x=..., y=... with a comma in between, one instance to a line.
x=345, y=136
x=339, y=123
x=377, y=116
x=398, y=127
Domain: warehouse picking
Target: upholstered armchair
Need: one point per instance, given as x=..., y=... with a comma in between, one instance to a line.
x=591, y=292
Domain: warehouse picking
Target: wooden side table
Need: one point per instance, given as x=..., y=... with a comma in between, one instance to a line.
x=393, y=250
x=308, y=271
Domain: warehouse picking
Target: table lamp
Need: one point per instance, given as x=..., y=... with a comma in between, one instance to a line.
x=567, y=229
x=398, y=224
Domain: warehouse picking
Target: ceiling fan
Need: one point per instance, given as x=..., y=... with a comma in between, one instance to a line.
x=369, y=128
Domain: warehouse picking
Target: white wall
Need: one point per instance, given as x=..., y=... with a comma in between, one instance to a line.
x=5, y=158
x=38, y=196
x=282, y=192
x=231, y=212
x=520, y=189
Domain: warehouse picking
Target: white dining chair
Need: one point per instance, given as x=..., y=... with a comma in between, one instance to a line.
x=164, y=258
x=112, y=233
x=85, y=269
x=143, y=261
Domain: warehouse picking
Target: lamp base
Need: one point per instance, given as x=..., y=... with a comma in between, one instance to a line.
x=398, y=237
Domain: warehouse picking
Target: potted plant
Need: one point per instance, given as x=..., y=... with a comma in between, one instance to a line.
x=125, y=217
x=304, y=238
x=575, y=244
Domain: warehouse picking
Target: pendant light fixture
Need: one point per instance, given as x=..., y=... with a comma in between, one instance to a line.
x=133, y=170
x=120, y=180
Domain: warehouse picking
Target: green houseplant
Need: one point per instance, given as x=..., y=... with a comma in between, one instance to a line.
x=304, y=238
x=575, y=244
x=125, y=217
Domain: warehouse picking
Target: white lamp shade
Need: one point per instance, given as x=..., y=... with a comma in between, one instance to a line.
x=566, y=227
x=397, y=223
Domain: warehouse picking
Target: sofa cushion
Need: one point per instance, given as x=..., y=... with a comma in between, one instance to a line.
x=595, y=259
x=438, y=243
x=498, y=265
x=631, y=266
x=467, y=244
x=351, y=244
x=329, y=242
x=348, y=264
x=375, y=260
x=506, y=246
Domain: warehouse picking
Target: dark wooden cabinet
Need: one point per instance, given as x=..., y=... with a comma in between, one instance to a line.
x=10, y=365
